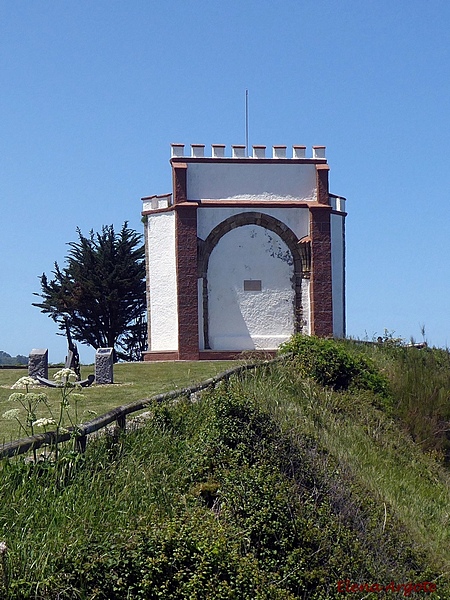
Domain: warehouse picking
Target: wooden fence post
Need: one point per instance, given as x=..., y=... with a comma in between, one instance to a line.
x=23, y=445
x=122, y=422
x=80, y=443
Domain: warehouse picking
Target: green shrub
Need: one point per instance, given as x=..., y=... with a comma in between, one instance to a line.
x=189, y=556
x=332, y=364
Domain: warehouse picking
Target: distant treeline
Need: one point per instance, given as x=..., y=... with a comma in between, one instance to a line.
x=7, y=359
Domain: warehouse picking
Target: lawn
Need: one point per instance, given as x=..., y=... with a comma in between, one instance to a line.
x=132, y=381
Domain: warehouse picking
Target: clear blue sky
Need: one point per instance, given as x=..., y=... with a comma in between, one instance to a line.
x=92, y=93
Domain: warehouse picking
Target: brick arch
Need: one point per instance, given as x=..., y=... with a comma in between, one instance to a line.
x=206, y=247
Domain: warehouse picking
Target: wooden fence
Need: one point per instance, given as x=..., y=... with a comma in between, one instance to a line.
x=118, y=415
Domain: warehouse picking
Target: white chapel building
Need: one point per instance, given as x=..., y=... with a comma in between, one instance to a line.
x=245, y=252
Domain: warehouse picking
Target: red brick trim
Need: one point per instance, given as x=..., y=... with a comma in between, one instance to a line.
x=205, y=311
x=159, y=196
x=321, y=284
x=187, y=281
x=236, y=354
x=155, y=211
x=255, y=203
x=179, y=176
x=268, y=222
x=211, y=355
x=246, y=160
x=323, y=196
x=162, y=355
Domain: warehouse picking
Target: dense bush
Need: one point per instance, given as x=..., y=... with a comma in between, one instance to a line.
x=335, y=365
x=188, y=556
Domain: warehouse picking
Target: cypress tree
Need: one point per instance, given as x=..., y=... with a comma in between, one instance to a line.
x=100, y=292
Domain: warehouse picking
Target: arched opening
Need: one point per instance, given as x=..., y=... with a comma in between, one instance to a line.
x=251, y=268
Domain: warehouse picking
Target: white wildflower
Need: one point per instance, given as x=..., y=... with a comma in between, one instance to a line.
x=12, y=414
x=35, y=398
x=25, y=382
x=17, y=397
x=3, y=547
x=44, y=422
x=64, y=375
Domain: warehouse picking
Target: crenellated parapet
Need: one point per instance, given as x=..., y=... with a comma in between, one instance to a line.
x=240, y=151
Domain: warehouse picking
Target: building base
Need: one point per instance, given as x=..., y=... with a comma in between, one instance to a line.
x=172, y=355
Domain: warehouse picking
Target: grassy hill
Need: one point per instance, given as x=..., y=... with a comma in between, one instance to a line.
x=298, y=480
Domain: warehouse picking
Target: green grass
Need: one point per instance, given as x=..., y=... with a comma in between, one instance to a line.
x=132, y=381
x=270, y=487
x=360, y=440
x=420, y=384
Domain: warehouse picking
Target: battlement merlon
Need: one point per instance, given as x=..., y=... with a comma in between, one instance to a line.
x=240, y=151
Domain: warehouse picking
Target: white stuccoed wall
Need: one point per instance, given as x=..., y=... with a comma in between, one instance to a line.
x=338, y=273
x=297, y=219
x=251, y=181
x=253, y=319
x=162, y=281
x=241, y=320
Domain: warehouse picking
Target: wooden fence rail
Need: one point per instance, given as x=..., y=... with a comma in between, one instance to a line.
x=118, y=415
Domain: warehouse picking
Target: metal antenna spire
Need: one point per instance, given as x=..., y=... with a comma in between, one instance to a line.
x=246, y=122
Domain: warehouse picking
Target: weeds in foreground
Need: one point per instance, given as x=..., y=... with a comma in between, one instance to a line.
x=37, y=412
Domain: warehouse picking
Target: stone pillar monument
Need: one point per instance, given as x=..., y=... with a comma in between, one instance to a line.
x=38, y=363
x=104, y=365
